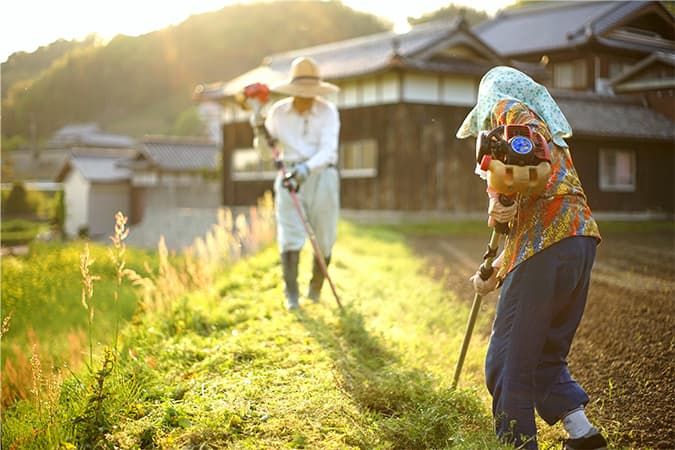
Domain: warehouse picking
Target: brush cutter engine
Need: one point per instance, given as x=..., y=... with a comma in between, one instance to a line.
x=253, y=93
x=516, y=159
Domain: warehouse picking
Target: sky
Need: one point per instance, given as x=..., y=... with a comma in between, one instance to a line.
x=29, y=24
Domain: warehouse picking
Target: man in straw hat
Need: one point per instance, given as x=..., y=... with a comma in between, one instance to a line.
x=307, y=127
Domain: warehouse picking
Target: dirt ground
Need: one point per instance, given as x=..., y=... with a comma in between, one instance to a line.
x=624, y=351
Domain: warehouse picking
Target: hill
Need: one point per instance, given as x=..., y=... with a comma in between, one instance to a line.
x=141, y=85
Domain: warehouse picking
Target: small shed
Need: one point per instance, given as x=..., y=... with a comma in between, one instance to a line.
x=95, y=188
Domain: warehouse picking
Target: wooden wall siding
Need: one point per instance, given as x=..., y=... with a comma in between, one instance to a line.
x=662, y=101
x=390, y=88
x=421, y=165
x=655, y=161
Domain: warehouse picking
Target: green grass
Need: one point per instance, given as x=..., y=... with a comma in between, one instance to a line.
x=435, y=228
x=228, y=367
x=636, y=226
x=241, y=372
x=477, y=227
x=43, y=292
x=20, y=231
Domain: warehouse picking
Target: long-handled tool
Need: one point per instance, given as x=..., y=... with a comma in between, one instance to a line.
x=485, y=272
x=254, y=97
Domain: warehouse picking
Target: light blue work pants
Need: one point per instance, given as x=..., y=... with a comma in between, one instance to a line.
x=319, y=199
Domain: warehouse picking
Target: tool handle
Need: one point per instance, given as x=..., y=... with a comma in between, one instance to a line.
x=485, y=270
x=503, y=228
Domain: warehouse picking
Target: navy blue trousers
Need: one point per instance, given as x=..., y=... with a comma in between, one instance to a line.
x=539, y=309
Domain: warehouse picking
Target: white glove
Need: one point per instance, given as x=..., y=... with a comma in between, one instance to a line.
x=482, y=287
x=256, y=120
x=498, y=213
x=293, y=180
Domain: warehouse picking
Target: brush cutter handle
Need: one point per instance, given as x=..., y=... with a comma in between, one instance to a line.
x=486, y=266
x=485, y=272
x=503, y=227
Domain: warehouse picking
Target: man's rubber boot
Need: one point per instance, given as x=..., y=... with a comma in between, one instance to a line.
x=315, y=284
x=289, y=265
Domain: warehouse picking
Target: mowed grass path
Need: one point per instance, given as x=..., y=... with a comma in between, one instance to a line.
x=230, y=368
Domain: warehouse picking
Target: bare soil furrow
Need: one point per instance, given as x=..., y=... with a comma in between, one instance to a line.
x=624, y=351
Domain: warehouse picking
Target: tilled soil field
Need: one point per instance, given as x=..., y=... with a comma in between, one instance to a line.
x=624, y=351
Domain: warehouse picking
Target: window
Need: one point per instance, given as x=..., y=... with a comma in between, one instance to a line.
x=249, y=164
x=570, y=74
x=617, y=68
x=617, y=170
x=358, y=159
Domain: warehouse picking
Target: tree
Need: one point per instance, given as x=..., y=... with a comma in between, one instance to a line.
x=17, y=201
x=471, y=15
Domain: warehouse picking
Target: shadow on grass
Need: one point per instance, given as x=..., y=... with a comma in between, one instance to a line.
x=408, y=410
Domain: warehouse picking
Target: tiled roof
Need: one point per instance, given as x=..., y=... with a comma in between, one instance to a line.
x=100, y=169
x=180, y=154
x=656, y=57
x=88, y=135
x=365, y=55
x=602, y=116
x=25, y=166
x=549, y=26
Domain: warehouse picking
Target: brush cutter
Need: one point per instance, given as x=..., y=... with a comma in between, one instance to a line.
x=516, y=160
x=485, y=272
x=253, y=97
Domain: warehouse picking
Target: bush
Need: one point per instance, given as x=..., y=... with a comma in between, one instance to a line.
x=20, y=231
x=17, y=201
x=32, y=204
x=59, y=216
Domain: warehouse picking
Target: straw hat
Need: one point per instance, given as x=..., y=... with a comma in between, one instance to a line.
x=304, y=80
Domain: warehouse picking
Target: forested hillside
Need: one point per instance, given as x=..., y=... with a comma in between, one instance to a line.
x=140, y=85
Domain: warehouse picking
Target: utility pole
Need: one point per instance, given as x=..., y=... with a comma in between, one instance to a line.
x=33, y=137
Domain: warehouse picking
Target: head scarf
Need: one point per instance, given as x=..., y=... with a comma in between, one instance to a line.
x=502, y=83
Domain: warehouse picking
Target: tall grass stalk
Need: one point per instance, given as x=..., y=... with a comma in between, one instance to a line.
x=117, y=253
x=4, y=328
x=87, y=294
x=81, y=411
x=229, y=239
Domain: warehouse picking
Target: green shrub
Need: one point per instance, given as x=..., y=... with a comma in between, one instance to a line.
x=20, y=231
x=17, y=201
x=21, y=202
x=59, y=216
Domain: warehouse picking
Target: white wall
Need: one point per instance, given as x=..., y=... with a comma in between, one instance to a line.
x=390, y=88
x=104, y=201
x=182, y=191
x=76, y=199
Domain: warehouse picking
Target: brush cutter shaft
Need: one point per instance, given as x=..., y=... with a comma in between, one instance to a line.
x=486, y=265
x=485, y=272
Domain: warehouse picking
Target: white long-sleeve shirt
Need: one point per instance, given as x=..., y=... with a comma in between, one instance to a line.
x=311, y=137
